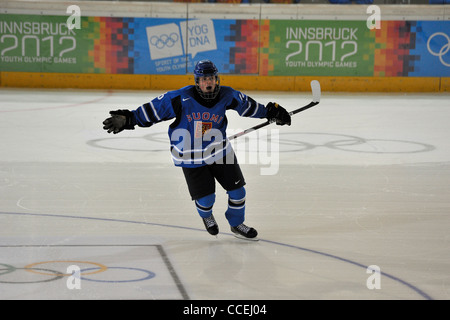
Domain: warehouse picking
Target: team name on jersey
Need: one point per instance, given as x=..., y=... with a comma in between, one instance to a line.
x=205, y=116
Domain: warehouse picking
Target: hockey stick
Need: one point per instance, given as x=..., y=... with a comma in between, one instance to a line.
x=315, y=88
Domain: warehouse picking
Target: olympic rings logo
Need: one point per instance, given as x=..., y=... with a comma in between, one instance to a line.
x=291, y=142
x=445, y=48
x=164, y=40
x=44, y=274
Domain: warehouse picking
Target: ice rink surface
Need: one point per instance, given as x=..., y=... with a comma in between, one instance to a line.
x=351, y=202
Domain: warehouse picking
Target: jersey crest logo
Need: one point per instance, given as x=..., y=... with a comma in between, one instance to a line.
x=201, y=128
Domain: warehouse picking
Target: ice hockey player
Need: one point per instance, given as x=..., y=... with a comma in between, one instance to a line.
x=198, y=140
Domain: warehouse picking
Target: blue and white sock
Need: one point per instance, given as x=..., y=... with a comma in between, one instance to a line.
x=205, y=205
x=235, y=213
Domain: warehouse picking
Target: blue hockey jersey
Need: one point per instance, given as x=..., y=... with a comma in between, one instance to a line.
x=198, y=133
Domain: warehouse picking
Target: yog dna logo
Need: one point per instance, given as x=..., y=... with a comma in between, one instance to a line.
x=169, y=40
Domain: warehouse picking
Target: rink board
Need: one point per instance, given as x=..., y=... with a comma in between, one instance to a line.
x=239, y=82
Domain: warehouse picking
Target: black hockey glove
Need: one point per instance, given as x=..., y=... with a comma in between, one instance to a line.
x=277, y=113
x=119, y=120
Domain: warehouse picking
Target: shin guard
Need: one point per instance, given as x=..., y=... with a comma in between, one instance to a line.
x=204, y=205
x=235, y=213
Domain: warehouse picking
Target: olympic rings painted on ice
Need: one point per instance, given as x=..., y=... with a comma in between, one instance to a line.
x=6, y=269
x=149, y=275
x=292, y=142
x=30, y=267
x=349, y=143
x=10, y=269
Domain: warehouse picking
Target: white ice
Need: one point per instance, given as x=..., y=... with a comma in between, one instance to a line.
x=359, y=180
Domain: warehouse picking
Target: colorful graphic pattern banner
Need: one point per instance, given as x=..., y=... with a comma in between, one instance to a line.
x=107, y=45
x=393, y=46
x=113, y=42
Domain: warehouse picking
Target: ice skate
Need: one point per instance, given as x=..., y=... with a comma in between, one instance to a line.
x=244, y=232
x=211, y=225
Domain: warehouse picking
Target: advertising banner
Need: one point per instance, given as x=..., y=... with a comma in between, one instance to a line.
x=35, y=43
x=30, y=43
x=432, y=49
x=168, y=46
x=350, y=48
x=121, y=45
x=322, y=48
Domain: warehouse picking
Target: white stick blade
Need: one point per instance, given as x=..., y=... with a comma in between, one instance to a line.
x=315, y=88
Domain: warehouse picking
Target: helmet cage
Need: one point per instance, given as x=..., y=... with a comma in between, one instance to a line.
x=206, y=68
x=208, y=95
